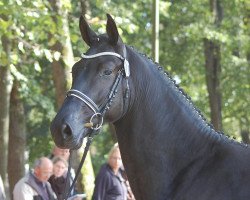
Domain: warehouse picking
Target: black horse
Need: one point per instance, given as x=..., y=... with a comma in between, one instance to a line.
x=169, y=151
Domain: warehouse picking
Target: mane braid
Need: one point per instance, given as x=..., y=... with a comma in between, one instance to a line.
x=221, y=134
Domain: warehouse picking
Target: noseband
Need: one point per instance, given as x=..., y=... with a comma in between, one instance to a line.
x=100, y=111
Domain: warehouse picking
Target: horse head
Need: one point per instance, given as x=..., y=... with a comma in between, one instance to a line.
x=99, y=87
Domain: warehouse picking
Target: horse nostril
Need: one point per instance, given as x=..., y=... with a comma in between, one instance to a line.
x=66, y=131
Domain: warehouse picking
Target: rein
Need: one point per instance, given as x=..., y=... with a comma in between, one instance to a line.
x=86, y=149
x=99, y=112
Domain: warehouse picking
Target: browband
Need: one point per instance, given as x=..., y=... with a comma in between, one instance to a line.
x=125, y=61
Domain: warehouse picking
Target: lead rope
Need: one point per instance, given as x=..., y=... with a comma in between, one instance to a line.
x=68, y=176
x=86, y=149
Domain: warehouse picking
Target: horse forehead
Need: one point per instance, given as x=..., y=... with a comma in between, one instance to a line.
x=100, y=45
x=104, y=47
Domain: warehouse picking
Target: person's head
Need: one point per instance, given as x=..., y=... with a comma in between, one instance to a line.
x=59, y=166
x=43, y=168
x=114, y=158
x=64, y=153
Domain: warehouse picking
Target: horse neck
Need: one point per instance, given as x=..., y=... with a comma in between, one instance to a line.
x=161, y=117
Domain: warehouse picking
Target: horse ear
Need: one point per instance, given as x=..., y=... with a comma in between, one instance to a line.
x=88, y=35
x=112, y=30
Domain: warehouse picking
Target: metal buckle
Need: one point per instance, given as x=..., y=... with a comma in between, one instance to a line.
x=98, y=125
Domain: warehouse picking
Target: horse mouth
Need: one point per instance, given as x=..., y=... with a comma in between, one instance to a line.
x=75, y=144
x=72, y=143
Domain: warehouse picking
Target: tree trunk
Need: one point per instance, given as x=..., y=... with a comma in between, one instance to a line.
x=85, y=8
x=62, y=64
x=61, y=78
x=5, y=89
x=17, y=138
x=87, y=175
x=155, y=30
x=213, y=69
x=245, y=136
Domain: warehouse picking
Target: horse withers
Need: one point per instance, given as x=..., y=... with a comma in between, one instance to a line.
x=168, y=149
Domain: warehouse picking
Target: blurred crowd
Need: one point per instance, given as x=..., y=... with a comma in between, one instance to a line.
x=49, y=179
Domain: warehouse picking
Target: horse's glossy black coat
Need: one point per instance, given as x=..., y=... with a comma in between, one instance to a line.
x=168, y=149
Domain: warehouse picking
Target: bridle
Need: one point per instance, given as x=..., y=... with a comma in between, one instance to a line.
x=98, y=111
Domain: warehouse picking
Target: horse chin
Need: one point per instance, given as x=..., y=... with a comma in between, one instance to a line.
x=77, y=141
x=75, y=146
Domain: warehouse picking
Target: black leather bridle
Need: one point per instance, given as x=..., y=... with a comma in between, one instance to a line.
x=99, y=111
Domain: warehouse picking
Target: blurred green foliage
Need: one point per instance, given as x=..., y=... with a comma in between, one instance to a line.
x=100, y=148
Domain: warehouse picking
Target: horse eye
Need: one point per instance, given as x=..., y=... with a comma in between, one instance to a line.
x=107, y=72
